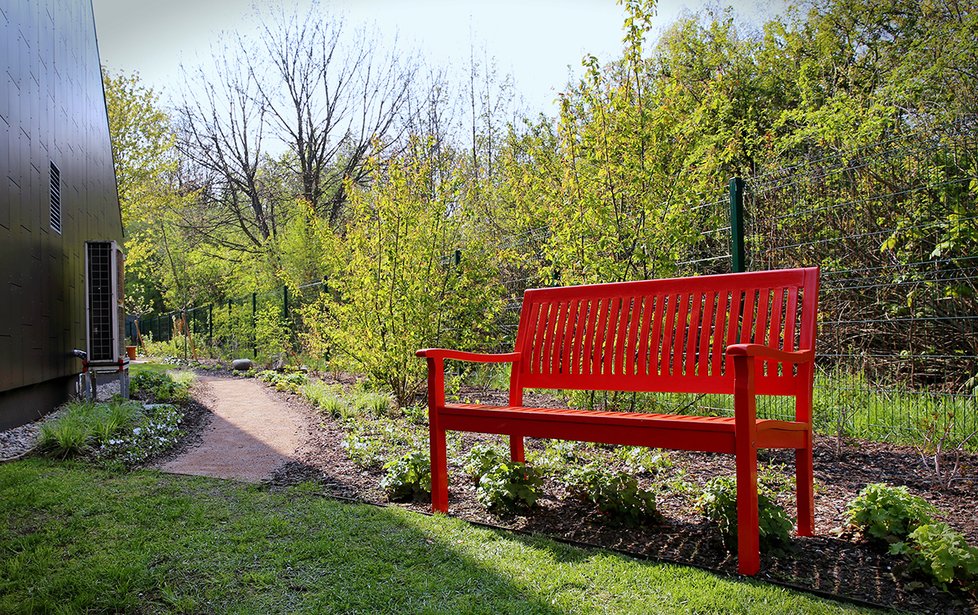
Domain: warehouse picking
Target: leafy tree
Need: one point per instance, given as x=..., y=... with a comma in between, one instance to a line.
x=410, y=279
x=145, y=166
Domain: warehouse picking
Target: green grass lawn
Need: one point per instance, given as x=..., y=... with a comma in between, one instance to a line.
x=76, y=538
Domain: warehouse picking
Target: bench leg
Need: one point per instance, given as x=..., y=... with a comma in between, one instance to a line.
x=748, y=533
x=805, y=490
x=439, y=471
x=516, y=452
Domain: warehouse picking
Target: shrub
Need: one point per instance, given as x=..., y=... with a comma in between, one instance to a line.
x=509, y=487
x=888, y=514
x=941, y=553
x=273, y=334
x=408, y=477
x=481, y=458
x=614, y=493
x=719, y=503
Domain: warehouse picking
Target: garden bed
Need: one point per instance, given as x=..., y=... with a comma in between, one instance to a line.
x=832, y=562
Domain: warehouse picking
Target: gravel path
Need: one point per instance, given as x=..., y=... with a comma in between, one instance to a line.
x=251, y=434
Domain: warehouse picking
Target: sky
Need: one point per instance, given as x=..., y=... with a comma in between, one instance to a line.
x=539, y=42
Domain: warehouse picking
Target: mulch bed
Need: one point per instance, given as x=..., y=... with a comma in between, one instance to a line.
x=834, y=562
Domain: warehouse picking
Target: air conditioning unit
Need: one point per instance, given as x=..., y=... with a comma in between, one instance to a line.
x=104, y=312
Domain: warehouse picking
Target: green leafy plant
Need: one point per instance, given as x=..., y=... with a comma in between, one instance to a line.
x=509, y=487
x=416, y=414
x=291, y=382
x=888, y=514
x=363, y=449
x=482, y=458
x=161, y=387
x=156, y=430
x=614, y=493
x=718, y=503
x=408, y=477
x=556, y=456
x=644, y=459
x=941, y=553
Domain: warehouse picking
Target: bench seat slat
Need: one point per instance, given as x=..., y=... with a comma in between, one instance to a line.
x=659, y=421
x=697, y=433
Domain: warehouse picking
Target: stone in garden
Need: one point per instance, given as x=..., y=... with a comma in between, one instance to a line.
x=241, y=364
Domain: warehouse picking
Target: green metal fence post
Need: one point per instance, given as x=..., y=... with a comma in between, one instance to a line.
x=737, y=225
x=285, y=302
x=210, y=324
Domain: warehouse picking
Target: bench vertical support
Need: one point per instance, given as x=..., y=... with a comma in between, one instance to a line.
x=516, y=452
x=804, y=475
x=745, y=426
x=439, y=454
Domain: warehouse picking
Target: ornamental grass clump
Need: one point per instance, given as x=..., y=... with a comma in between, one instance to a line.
x=327, y=397
x=373, y=404
x=718, y=503
x=117, y=432
x=84, y=425
x=887, y=515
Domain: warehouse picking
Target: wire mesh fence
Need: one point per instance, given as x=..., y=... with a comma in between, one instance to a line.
x=894, y=228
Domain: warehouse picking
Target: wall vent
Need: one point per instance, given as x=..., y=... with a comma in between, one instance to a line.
x=55, y=199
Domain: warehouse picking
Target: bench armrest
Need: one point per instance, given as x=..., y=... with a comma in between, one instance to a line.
x=436, y=369
x=461, y=355
x=766, y=352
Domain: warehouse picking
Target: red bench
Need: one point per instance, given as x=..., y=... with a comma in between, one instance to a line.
x=744, y=334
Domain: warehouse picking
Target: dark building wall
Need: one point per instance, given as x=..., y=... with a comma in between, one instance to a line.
x=52, y=109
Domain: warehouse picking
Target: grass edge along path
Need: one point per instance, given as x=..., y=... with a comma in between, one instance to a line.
x=77, y=538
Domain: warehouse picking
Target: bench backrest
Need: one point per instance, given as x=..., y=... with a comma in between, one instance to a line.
x=667, y=335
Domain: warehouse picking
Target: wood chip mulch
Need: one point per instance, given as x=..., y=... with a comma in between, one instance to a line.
x=834, y=562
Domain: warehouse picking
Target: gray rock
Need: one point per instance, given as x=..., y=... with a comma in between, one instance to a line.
x=241, y=364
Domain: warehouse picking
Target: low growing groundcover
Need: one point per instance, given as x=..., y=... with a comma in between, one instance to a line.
x=79, y=538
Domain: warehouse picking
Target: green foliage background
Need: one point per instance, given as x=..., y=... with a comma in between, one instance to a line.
x=453, y=218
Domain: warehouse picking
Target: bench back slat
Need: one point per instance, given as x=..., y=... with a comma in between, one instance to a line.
x=667, y=335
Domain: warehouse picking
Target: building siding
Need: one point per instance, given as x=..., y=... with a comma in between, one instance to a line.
x=52, y=109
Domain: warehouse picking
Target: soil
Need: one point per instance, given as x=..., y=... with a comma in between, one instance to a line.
x=832, y=563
